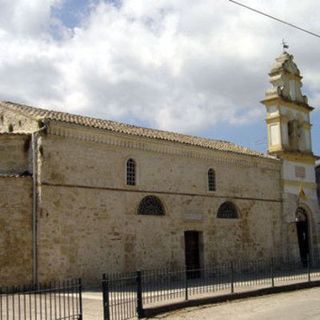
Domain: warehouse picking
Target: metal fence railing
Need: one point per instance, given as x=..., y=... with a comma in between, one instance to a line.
x=51, y=301
x=120, y=295
x=126, y=296
x=134, y=294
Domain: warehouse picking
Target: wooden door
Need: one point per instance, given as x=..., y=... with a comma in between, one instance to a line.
x=303, y=239
x=303, y=235
x=192, y=253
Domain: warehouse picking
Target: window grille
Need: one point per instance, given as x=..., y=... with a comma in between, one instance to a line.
x=131, y=172
x=151, y=205
x=227, y=211
x=211, y=180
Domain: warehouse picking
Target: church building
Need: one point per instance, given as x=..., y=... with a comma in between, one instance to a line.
x=81, y=196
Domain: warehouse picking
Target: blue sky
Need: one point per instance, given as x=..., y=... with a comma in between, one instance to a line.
x=200, y=68
x=71, y=12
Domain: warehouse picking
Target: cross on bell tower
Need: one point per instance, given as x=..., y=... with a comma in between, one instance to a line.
x=284, y=46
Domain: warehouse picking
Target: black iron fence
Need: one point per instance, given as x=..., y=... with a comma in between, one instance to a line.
x=128, y=295
x=131, y=295
x=51, y=301
x=120, y=295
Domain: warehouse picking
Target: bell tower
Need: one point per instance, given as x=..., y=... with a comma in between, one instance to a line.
x=289, y=139
x=288, y=111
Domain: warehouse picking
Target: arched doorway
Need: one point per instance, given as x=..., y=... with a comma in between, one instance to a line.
x=303, y=235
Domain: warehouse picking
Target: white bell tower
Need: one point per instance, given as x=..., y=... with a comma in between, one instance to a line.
x=289, y=138
x=288, y=111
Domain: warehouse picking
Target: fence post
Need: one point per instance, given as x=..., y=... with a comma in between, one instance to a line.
x=232, y=277
x=105, y=294
x=308, y=262
x=80, y=299
x=186, y=285
x=140, y=311
x=272, y=273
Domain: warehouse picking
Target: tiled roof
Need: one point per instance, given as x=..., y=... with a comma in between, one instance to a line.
x=43, y=114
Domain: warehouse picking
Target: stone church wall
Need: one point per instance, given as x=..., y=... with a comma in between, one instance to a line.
x=15, y=230
x=14, y=153
x=88, y=222
x=15, y=122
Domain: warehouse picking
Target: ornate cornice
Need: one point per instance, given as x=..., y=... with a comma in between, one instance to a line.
x=299, y=184
x=279, y=100
x=274, y=119
x=165, y=147
x=307, y=157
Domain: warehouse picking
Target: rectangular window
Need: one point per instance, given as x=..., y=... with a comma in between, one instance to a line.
x=211, y=180
x=131, y=172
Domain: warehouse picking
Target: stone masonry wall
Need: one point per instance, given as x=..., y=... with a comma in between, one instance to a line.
x=88, y=222
x=14, y=154
x=15, y=230
x=16, y=122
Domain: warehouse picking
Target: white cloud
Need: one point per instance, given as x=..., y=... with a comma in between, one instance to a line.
x=173, y=64
x=26, y=17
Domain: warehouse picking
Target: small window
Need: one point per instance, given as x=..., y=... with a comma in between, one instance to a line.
x=227, y=211
x=131, y=172
x=211, y=180
x=151, y=206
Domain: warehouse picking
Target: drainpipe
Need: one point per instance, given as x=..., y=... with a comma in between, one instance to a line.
x=34, y=137
x=35, y=175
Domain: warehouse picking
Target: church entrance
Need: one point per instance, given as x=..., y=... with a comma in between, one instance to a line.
x=192, y=253
x=303, y=235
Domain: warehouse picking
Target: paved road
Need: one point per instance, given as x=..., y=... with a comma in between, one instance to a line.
x=92, y=305
x=297, y=305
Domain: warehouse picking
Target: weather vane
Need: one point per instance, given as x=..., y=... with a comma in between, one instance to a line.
x=284, y=45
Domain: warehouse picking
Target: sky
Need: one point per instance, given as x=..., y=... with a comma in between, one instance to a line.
x=195, y=67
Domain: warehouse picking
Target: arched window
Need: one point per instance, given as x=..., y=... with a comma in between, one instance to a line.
x=227, y=211
x=301, y=215
x=131, y=172
x=211, y=180
x=151, y=206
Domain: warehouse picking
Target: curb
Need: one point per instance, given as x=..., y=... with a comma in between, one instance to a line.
x=151, y=312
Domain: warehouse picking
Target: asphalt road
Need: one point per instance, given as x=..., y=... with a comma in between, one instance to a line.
x=297, y=305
